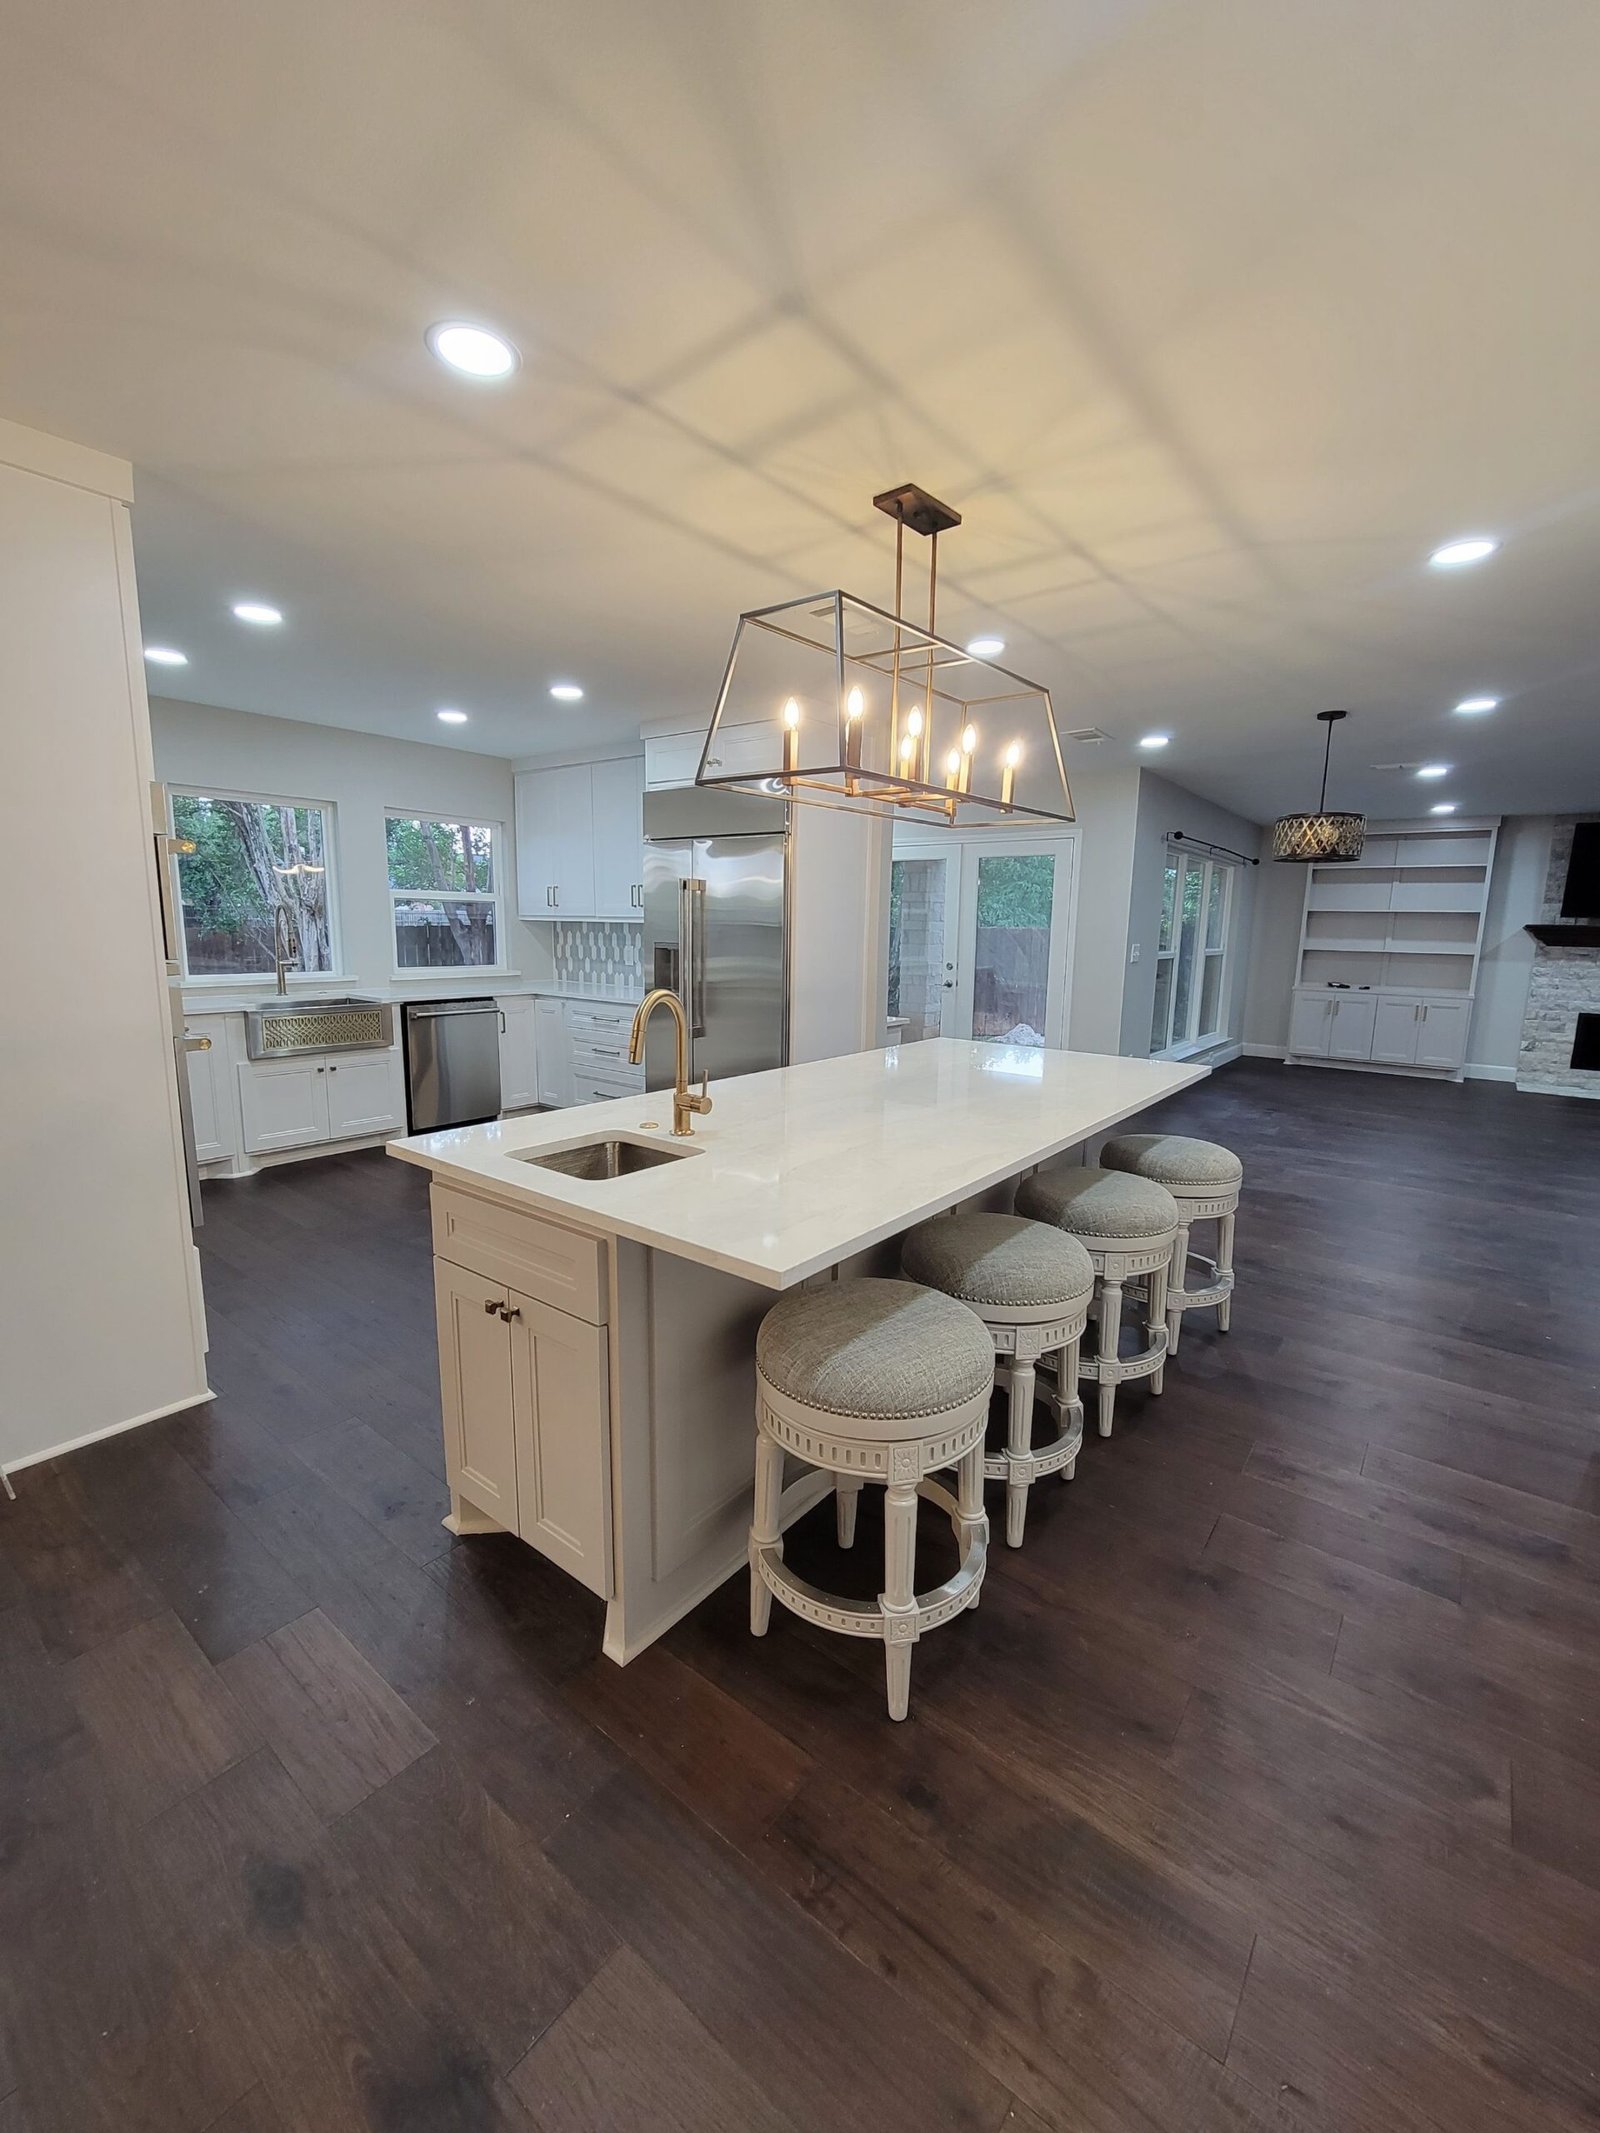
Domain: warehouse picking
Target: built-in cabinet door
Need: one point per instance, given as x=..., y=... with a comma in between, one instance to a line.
x=1394, y=1031
x=519, y=1072
x=618, y=794
x=365, y=1095
x=284, y=1103
x=216, y=1124
x=1311, y=1024
x=1442, y=1033
x=1354, y=1014
x=480, y=1439
x=552, y=1052
x=563, y=1440
x=555, y=843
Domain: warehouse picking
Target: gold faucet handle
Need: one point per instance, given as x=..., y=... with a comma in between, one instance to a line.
x=702, y=1102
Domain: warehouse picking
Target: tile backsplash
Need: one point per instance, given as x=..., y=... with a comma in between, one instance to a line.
x=597, y=952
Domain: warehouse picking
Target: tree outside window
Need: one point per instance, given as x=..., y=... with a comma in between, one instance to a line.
x=251, y=860
x=444, y=882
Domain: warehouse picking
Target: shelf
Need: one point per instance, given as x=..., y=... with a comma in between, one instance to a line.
x=1327, y=947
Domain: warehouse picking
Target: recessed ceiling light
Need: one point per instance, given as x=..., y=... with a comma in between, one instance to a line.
x=1155, y=740
x=452, y=718
x=163, y=655
x=1456, y=555
x=566, y=692
x=986, y=647
x=1472, y=705
x=1433, y=770
x=258, y=612
x=1443, y=807
x=473, y=350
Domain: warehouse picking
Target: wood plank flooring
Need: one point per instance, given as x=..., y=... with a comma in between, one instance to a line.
x=1262, y=1794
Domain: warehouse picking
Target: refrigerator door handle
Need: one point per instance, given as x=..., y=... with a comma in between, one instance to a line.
x=697, y=955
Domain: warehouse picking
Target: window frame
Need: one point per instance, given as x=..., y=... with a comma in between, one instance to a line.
x=433, y=972
x=1179, y=1045
x=235, y=980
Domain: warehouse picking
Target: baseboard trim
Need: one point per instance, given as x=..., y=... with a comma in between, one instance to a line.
x=113, y=1429
x=1488, y=1073
x=1263, y=1051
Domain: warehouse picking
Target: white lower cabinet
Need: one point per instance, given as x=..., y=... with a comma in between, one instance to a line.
x=294, y=1103
x=1380, y=1029
x=519, y=1054
x=526, y=1403
x=211, y=1100
x=552, y=1052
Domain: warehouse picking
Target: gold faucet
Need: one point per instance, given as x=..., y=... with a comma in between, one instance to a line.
x=684, y=1101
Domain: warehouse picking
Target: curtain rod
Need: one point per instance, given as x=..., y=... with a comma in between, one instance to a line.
x=1199, y=844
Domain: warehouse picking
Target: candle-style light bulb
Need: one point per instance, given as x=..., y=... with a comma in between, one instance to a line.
x=1008, y=774
x=791, y=737
x=969, y=742
x=914, y=722
x=952, y=771
x=854, y=705
x=908, y=752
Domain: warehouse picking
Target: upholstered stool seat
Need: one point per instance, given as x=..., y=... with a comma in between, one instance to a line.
x=880, y=1381
x=1128, y=1225
x=1031, y=1285
x=1204, y=1178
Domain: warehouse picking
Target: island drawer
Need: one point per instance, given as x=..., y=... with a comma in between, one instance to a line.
x=554, y=1265
x=600, y=1025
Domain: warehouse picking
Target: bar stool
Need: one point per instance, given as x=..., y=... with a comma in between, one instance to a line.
x=1204, y=1178
x=883, y=1381
x=1128, y=1225
x=1031, y=1285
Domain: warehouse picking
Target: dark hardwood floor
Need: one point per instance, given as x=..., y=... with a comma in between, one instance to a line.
x=1262, y=1793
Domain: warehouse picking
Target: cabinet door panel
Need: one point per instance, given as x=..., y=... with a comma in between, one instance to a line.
x=1442, y=1034
x=555, y=843
x=1394, y=1031
x=563, y=1429
x=216, y=1120
x=519, y=1073
x=284, y=1104
x=365, y=1096
x=552, y=1053
x=1353, y=1017
x=1310, y=1022
x=618, y=789
x=480, y=1445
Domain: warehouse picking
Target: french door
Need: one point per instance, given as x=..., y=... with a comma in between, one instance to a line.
x=1191, y=951
x=980, y=936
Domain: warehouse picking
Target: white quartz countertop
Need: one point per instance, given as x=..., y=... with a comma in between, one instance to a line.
x=795, y=1169
x=198, y=1002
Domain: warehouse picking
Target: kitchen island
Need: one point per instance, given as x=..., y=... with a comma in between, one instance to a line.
x=597, y=1333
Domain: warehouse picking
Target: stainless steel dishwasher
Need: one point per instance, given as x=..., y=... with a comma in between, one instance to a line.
x=452, y=1063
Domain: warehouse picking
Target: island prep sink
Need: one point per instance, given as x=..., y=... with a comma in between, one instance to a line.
x=594, y=1160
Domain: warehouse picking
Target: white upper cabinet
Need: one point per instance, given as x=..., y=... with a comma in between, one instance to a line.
x=580, y=836
x=674, y=758
x=618, y=793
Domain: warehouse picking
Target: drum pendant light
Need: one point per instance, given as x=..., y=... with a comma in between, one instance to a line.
x=1317, y=839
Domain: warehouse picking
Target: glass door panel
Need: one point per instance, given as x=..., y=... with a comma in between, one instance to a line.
x=924, y=896
x=1011, y=947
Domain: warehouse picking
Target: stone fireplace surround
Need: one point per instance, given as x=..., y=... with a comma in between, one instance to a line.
x=1563, y=983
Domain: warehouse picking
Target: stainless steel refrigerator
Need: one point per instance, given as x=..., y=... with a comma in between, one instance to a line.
x=715, y=929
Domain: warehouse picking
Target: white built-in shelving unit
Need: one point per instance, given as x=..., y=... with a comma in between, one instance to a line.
x=1389, y=944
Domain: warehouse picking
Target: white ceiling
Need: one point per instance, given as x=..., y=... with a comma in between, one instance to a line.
x=1212, y=317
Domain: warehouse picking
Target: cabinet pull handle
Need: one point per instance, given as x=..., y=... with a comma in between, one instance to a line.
x=491, y=1305
x=502, y=1021
x=509, y=1312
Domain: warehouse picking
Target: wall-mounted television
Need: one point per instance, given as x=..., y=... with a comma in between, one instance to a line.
x=1581, y=896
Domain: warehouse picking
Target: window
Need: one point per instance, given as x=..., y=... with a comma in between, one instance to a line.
x=1191, y=953
x=444, y=881
x=252, y=860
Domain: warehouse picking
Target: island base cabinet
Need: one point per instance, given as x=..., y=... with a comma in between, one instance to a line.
x=526, y=1406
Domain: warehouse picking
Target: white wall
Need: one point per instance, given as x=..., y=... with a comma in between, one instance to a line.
x=1164, y=807
x=101, y=1323
x=364, y=776
x=839, y=931
x=1516, y=899
x=1108, y=808
x=1280, y=899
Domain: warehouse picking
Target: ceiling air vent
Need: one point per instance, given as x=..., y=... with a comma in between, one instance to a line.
x=1085, y=733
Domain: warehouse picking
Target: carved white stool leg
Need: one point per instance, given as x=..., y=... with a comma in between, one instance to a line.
x=1177, y=1281
x=972, y=1524
x=1019, y=1443
x=1155, y=1317
x=1110, y=1315
x=766, y=1530
x=899, y=1597
x=1225, y=1267
x=846, y=1495
x=1069, y=1401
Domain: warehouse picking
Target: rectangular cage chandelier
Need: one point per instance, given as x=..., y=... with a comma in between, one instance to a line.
x=831, y=700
